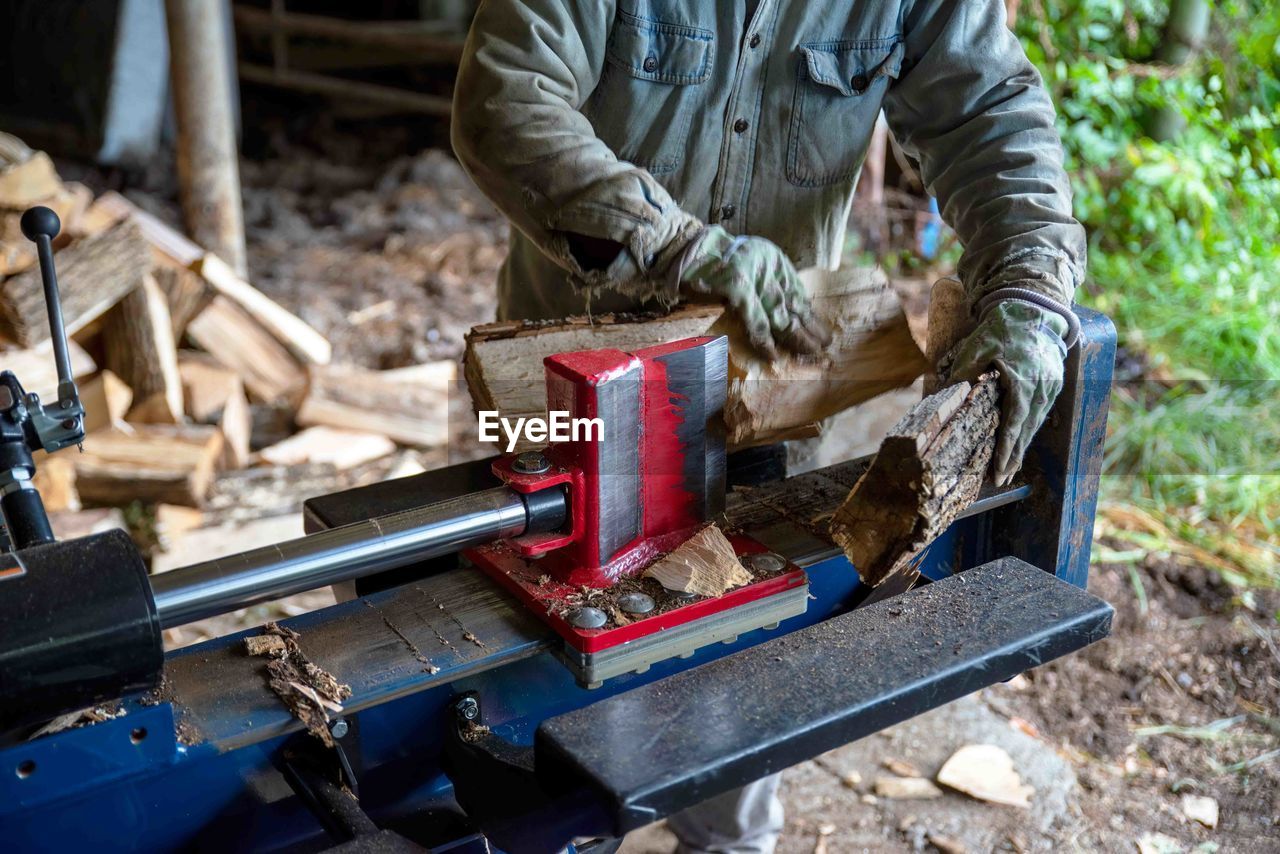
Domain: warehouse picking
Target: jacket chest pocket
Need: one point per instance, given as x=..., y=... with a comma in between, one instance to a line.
x=839, y=89
x=643, y=105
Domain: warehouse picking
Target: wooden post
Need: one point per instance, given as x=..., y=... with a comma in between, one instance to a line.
x=208, y=170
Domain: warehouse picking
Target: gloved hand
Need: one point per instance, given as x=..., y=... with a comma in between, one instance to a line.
x=1025, y=342
x=759, y=283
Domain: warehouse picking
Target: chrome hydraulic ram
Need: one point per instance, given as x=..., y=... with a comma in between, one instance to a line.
x=352, y=551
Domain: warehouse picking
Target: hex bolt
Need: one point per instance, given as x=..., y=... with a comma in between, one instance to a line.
x=468, y=708
x=636, y=603
x=338, y=728
x=764, y=562
x=531, y=462
x=586, y=617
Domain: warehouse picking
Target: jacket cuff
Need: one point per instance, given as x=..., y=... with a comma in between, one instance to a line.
x=1050, y=272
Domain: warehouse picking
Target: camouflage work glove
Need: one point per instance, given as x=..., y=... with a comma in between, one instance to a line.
x=1027, y=343
x=759, y=283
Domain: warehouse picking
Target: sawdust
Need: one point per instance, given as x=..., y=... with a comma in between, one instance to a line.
x=309, y=691
x=80, y=718
x=183, y=730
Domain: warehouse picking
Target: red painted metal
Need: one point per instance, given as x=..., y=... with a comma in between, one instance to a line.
x=548, y=597
x=550, y=572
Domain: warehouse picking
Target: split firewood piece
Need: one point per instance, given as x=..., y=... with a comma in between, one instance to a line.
x=928, y=469
x=93, y=275
x=236, y=340
x=173, y=245
x=872, y=352
x=186, y=293
x=55, y=479
x=342, y=449
x=985, y=772
x=503, y=362
x=106, y=400
x=213, y=394
x=409, y=405
x=305, y=343
x=35, y=369
x=138, y=346
x=156, y=463
x=705, y=564
x=28, y=181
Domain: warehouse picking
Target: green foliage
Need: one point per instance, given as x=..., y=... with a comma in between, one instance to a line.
x=1184, y=241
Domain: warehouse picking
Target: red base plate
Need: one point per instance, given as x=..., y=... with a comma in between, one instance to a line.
x=546, y=596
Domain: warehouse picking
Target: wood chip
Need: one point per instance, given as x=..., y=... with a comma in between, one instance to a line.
x=1201, y=808
x=705, y=564
x=985, y=772
x=901, y=767
x=264, y=645
x=906, y=788
x=947, y=844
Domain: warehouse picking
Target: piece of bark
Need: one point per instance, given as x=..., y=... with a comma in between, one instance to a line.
x=186, y=293
x=705, y=564
x=264, y=645
x=342, y=449
x=138, y=347
x=93, y=275
x=35, y=369
x=302, y=341
x=156, y=463
x=236, y=340
x=409, y=405
x=55, y=479
x=308, y=690
x=872, y=352
x=106, y=399
x=928, y=469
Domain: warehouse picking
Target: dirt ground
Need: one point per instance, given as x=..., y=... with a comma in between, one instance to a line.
x=393, y=257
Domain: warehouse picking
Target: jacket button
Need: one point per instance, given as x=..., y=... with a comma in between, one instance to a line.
x=755, y=40
x=650, y=63
x=727, y=212
x=740, y=126
x=859, y=83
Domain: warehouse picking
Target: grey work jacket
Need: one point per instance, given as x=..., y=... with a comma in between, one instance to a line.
x=631, y=120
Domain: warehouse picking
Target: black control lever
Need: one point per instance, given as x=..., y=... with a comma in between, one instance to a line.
x=26, y=424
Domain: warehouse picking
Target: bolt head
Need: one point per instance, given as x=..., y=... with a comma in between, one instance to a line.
x=636, y=603
x=764, y=562
x=586, y=617
x=531, y=462
x=468, y=708
x=339, y=728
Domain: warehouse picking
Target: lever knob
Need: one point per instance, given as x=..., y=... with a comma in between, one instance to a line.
x=40, y=221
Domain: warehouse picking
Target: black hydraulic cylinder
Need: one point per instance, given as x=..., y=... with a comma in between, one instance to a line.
x=25, y=519
x=77, y=627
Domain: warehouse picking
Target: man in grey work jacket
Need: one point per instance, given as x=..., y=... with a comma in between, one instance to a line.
x=648, y=149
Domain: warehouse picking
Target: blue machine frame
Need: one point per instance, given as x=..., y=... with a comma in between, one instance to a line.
x=139, y=781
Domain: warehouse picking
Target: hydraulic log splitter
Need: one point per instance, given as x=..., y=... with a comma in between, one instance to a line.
x=512, y=681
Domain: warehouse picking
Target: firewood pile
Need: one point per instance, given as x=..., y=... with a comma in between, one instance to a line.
x=202, y=394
